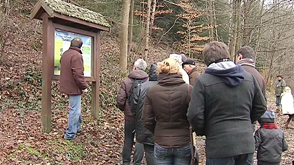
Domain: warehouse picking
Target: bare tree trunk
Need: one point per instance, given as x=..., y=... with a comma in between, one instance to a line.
x=214, y=23
x=211, y=19
x=189, y=37
x=235, y=36
x=124, y=36
x=259, y=30
x=131, y=25
x=239, y=35
x=273, y=44
x=247, y=25
x=153, y=15
x=147, y=28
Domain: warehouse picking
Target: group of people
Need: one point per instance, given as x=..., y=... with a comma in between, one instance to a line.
x=222, y=104
x=163, y=107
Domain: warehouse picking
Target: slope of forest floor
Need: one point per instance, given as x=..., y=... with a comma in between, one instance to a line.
x=21, y=138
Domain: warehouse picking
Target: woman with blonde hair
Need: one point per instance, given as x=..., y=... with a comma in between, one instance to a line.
x=164, y=114
x=287, y=104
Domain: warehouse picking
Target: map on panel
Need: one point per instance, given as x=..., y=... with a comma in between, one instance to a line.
x=61, y=44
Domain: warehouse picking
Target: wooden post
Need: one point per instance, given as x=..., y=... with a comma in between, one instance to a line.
x=96, y=84
x=47, y=69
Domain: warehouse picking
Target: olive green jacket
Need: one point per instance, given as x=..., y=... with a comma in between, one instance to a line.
x=280, y=85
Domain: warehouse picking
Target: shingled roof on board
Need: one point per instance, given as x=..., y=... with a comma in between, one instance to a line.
x=77, y=12
x=70, y=10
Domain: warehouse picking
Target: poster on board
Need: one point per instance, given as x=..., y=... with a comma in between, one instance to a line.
x=61, y=44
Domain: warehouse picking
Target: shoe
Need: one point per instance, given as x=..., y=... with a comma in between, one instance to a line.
x=80, y=132
x=68, y=138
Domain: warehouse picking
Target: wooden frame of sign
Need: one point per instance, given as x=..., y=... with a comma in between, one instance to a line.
x=51, y=22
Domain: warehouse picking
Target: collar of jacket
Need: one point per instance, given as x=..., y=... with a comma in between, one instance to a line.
x=170, y=79
x=76, y=49
x=270, y=125
x=247, y=61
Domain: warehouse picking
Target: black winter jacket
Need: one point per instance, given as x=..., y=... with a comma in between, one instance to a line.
x=269, y=143
x=224, y=103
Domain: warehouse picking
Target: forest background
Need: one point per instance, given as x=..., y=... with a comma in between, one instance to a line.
x=153, y=29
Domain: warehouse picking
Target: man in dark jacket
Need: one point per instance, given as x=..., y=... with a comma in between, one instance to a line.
x=143, y=135
x=189, y=67
x=269, y=140
x=245, y=57
x=72, y=83
x=226, y=100
x=138, y=73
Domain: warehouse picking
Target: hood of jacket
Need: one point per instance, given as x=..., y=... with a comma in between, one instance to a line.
x=170, y=79
x=230, y=73
x=138, y=74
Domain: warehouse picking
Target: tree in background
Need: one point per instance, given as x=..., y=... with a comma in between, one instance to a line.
x=191, y=41
x=267, y=26
x=124, y=36
x=148, y=14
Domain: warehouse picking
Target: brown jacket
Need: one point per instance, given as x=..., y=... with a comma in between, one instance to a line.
x=123, y=93
x=193, y=75
x=165, y=110
x=72, y=80
x=249, y=66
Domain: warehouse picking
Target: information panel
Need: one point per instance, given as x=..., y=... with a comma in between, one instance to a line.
x=61, y=44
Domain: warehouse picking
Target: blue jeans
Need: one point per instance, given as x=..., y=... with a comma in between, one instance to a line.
x=128, y=145
x=244, y=159
x=172, y=156
x=74, y=117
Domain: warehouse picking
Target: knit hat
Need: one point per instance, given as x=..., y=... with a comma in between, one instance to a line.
x=268, y=117
x=188, y=62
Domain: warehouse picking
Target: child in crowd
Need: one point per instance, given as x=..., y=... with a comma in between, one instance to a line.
x=287, y=104
x=269, y=140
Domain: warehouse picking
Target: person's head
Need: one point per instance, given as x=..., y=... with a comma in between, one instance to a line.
x=153, y=72
x=268, y=117
x=245, y=52
x=279, y=77
x=214, y=52
x=168, y=65
x=140, y=64
x=76, y=42
x=287, y=89
x=188, y=65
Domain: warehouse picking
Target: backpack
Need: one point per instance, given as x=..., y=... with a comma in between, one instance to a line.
x=134, y=94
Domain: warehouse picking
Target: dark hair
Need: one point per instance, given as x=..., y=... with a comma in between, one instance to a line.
x=76, y=42
x=246, y=52
x=215, y=51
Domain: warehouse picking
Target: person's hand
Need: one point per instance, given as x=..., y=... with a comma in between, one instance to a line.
x=85, y=91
